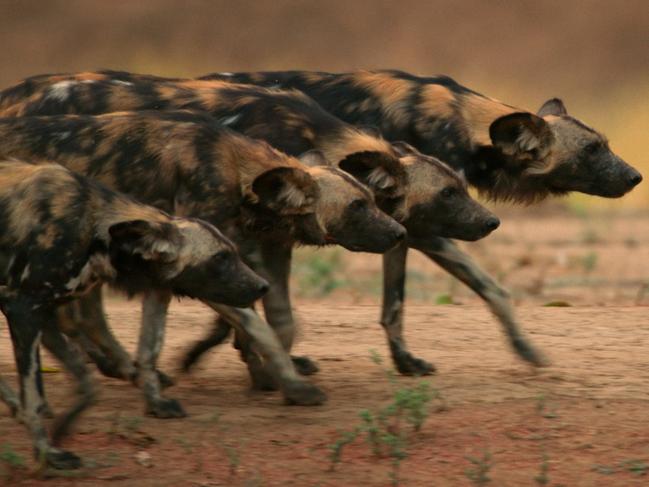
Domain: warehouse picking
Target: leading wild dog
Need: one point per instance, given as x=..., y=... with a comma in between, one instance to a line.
x=189, y=165
x=507, y=153
x=418, y=191
x=62, y=235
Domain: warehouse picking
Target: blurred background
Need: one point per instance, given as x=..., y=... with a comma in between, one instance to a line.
x=592, y=53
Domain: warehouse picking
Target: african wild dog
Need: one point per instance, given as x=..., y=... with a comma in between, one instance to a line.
x=187, y=164
x=506, y=153
x=64, y=234
x=419, y=192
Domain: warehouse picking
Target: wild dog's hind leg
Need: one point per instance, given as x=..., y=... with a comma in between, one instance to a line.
x=25, y=318
x=277, y=302
x=394, y=278
x=460, y=265
x=152, y=330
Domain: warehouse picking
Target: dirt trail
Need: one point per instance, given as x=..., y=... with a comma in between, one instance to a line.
x=587, y=412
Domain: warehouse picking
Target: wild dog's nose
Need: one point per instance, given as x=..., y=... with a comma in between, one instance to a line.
x=635, y=178
x=492, y=223
x=400, y=234
x=263, y=288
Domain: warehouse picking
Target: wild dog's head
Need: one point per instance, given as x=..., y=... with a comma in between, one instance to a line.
x=435, y=200
x=346, y=212
x=553, y=153
x=190, y=257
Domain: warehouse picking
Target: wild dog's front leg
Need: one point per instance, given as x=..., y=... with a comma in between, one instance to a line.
x=265, y=343
x=56, y=343
x=8, y=396
x=394, y=278
x=25, y=318
x=460, y=265
x=152, y=330
x=277, y=302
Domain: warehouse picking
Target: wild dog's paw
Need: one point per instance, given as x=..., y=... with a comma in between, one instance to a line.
x=61, y=459
x=164, y=408
x=529, y=353
x=303, y=394
x=164, y=379
x=304, y=365
x=408, y=364
x=109, y=368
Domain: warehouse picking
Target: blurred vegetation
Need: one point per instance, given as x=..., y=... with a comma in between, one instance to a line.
x=592, y=53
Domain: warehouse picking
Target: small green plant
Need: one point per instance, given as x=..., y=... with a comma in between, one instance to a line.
x=10, y=462
x=589, y=262
x=478, y=473
x=636, y=467
x=542, y=478
x=336, y=448
x=318, y=273
x=444, y=298
x=384, y=429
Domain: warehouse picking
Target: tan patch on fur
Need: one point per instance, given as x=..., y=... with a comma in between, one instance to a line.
x=350, y=141
x=392, y=93
x=478, y=112
x=438, y=101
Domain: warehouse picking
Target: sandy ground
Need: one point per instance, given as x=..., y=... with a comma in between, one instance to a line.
x=583, y=420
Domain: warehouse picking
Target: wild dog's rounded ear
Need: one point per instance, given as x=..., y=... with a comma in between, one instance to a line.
x=287, y=190
x=404, y=149
x=371, y=130
x=313, y=158
x=376, y=170
x=154, y=241
x=554, y=106
x=522, y=135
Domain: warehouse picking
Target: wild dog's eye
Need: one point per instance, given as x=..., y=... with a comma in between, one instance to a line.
x=357, y=205
x=220, y=257
x=448, y=192
x=593, y=147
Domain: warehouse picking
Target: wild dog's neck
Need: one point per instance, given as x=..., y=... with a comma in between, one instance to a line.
x=457, y=131
x=346, y=140
x=111, y=208
x=249, y=158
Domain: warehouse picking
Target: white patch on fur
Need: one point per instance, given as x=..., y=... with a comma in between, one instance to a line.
x=121, y=83
x=61, y=90
x=97, y=268
x=226, y=73
x=25, y=275
x=230, y=120
x=380, y=179
x=527, y=141
x=292, y=196
x=88, y=81
x=158, y=247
